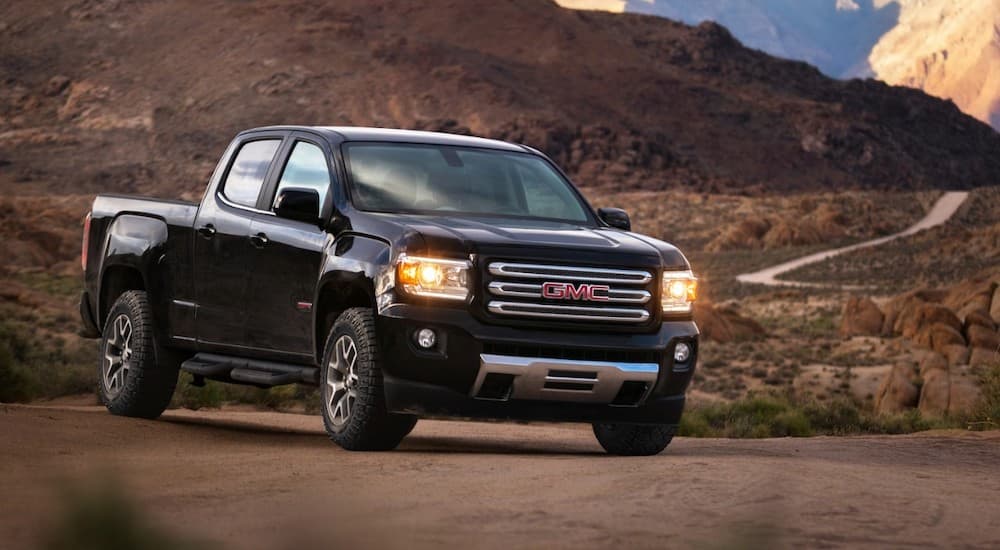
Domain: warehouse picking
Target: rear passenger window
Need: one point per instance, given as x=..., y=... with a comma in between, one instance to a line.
x=245, y=178
x=306, y=169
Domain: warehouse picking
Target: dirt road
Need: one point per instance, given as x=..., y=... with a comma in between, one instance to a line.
x=265, y=480
x=941, y=212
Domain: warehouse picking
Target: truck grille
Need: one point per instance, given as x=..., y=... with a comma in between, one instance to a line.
x=515, y=290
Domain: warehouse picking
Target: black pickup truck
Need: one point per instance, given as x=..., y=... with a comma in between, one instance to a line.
x=407, y=274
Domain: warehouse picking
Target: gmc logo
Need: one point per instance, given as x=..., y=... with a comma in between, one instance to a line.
x=569, y=291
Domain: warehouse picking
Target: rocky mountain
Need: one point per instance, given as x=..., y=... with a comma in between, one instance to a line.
x=948, y=48
x=141, y=96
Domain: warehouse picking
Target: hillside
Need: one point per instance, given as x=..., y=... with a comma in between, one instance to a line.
x=141, y=96
x=947, y=48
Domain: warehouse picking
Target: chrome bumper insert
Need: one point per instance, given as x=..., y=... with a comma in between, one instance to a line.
x=539, y=378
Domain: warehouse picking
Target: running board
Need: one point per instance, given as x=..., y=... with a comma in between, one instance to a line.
x=254, y=372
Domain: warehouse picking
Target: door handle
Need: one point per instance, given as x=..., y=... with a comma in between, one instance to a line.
x=259, y=240
x=207, y=231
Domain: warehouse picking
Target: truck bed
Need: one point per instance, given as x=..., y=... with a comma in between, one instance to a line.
x=174, y=212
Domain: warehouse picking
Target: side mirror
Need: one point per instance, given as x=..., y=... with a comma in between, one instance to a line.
x=615, y=217
x=298, y=204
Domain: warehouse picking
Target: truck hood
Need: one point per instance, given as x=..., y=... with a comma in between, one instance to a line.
x=535, y=238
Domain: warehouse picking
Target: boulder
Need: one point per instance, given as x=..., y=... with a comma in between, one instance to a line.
x=982, y=337
x=977, y=292
x=963, y=391
x=898, y=392
x=918, y=315
x=933, y=361
x=895, y=306
x=956, y=355
x=935, y=392
x=725, y=323
x=938, y=336
x=976, y=316
x=861, y=317
x=982, y=357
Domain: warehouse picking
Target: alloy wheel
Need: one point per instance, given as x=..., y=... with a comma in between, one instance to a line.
x=117, y=355
x=342, y=381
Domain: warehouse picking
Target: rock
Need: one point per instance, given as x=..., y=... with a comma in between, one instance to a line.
x=898, y=391
x=918, y=315
x=982, y=357
x=744, y=234
x=976, y=292
x=982, y=337
x=725, y=323
x=976, y=316
x=956, y=355
x=895, y=306
x=935, y=392
x=995, y=306
x=56, y=85
x=938, y=336
x=861, y=317
x=964, y=392
x=933, y=361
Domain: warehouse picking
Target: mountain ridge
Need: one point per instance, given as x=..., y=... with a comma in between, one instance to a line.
x=139, y=96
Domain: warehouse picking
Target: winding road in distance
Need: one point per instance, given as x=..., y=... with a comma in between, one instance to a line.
x=941, y=212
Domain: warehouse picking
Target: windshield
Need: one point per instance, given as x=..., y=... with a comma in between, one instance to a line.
x=396, y=177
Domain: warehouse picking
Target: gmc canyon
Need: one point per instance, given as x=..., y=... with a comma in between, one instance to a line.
x=406, y=274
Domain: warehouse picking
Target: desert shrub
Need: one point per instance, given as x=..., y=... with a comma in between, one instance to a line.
x=33, y=366
x=215, y=394
x=987, y=411
x=779, y=414
x=757, y=415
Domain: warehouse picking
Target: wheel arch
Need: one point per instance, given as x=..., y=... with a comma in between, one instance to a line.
x=132, y=253
x=348, y=280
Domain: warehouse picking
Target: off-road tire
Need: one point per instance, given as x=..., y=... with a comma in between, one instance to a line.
x=145, y=388
x=633, y=439
x=368, y=425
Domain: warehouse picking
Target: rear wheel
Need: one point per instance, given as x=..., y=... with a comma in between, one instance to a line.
x=136, y=377
x=633, y=439
x=354, y=409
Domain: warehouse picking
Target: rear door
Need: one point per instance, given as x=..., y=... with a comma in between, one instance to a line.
x=223, y=246
x=285, y=265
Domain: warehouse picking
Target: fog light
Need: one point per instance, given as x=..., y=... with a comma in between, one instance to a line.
x=681, y=352
x=426, y=338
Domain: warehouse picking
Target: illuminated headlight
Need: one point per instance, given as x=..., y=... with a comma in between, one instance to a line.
x=680, y=288
x=433, y=277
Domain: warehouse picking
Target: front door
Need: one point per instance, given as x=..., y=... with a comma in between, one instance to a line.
x=287, y=260
x=223, y=247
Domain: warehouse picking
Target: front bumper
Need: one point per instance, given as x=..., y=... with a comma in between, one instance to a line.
x=497, y=371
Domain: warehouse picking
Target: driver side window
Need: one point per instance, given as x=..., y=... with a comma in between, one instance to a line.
x=306, y=169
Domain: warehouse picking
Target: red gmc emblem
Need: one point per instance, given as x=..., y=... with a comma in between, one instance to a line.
x=569, y=291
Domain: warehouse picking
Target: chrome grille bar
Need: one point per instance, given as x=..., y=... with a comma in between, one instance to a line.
x=569, y=273
x=532, y=290
x=586, y=313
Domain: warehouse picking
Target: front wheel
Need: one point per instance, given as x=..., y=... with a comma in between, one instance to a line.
x=354, y=409
x=136, y=377
x=633, y=439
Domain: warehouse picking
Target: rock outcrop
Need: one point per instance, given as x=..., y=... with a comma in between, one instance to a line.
x=957, y=329
x=861, y=317
x=724, y=323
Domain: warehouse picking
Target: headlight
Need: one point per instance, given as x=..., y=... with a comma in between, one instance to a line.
x=433, y=277
x=680, y=288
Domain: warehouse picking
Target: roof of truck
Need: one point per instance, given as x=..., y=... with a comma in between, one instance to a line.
x=339, y=134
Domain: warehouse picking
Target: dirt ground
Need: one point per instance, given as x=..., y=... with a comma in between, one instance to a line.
x=268, y=480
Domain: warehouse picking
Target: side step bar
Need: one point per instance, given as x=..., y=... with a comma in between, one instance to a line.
x=254, y=372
